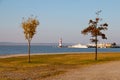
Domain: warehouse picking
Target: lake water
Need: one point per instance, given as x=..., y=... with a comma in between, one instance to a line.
x=18, y=49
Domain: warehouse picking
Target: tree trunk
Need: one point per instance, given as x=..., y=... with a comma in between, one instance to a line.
x=96, y=47
x=29, y=46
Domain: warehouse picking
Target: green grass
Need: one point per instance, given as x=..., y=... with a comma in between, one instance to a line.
x=42, y=66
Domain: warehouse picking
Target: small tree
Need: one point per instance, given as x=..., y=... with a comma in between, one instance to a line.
x=29, y=26
x=95, y=30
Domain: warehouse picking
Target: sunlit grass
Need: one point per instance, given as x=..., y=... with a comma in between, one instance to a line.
x=42, y=66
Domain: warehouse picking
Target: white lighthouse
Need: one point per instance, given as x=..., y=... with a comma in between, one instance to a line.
x=60, y=43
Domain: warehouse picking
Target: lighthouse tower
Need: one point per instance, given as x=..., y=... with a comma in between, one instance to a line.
x=60, y=43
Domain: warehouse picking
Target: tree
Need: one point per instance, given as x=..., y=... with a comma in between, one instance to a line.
x=95, y=30
x=29, y=26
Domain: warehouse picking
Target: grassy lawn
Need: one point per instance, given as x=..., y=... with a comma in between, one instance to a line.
x=42, y=66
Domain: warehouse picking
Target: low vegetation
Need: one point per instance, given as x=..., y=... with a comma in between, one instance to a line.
x=42, y=66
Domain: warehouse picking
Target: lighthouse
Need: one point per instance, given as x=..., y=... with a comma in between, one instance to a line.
x=60, y=43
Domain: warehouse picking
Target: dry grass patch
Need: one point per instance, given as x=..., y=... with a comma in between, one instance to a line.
x=42, y=66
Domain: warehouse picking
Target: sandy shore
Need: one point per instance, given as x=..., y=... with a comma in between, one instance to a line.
x=106, y=71
x=12, y=55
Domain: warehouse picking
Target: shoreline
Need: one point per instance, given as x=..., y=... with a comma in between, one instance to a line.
x=26, y=54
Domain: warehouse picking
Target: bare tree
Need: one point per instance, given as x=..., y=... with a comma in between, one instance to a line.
x=29, y=26
x=95, y=30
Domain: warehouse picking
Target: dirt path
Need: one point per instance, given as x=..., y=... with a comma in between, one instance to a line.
x=106, y=71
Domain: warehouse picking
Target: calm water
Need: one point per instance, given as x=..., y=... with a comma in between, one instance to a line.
x=18, y=49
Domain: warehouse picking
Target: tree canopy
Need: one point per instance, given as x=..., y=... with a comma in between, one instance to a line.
x=95, y=30
x=29, y=27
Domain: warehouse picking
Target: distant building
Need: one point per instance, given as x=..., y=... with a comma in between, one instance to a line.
x=101, y=45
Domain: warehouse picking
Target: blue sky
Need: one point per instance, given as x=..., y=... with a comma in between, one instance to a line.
x=58, y=18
